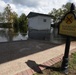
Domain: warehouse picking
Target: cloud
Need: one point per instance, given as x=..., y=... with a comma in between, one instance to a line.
x=37, y=3
x=28, y=3
x=73, y=1
x=2, y=5
x=40, y=6
x=14, y=8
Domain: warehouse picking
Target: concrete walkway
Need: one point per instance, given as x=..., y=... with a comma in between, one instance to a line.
x=20, y=65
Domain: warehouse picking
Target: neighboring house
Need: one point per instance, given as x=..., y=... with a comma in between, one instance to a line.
x=39, y=25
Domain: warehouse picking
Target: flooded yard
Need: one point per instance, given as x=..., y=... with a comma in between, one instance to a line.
x=5, y=37
x=21, y=46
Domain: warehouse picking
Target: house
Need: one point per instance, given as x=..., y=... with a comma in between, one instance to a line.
x=39, y=25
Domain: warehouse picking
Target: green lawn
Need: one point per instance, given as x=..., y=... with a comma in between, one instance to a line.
x=55, y=69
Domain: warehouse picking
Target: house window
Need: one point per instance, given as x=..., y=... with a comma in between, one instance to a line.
x=44, y=20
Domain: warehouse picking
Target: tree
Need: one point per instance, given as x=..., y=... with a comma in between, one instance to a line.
x=8, y=14
x=66, y=7
x=23, y=23
x=59, y=13
x=15, y=22
x=1, y=17
x=10, y=18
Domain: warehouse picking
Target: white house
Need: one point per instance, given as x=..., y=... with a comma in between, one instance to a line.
x=39, y=25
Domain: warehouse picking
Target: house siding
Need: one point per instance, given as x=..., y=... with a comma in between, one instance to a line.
x=38, y=24
x=38, y=29
x=44, y=25
x=33, y=23
x=39, y=34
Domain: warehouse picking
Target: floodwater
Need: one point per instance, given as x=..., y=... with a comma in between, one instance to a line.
x=4, y=37
x=55, y=37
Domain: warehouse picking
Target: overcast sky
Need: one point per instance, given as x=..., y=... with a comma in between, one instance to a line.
x=26, y=6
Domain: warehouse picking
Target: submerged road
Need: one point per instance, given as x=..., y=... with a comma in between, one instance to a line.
x=14, y=50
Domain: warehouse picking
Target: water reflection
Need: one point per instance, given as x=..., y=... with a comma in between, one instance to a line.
x=55, y=37
x=7, y=36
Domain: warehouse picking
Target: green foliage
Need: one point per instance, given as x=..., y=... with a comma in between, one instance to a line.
x=1, y=17
x=74, y=58
x=67, y=7
x=6, y=25
x=23, y=23
x=72, y=68
x=8, y=14
x=59, y=13
x=72, y=63
x=15, y=23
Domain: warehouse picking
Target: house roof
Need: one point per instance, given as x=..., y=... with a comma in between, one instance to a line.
x=34, y=14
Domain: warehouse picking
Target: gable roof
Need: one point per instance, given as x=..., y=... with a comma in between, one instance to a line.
x=34, y=14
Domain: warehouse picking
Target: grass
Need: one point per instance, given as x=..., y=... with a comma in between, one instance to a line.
x=55, y=69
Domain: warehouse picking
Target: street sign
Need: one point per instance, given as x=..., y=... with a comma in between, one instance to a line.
x=69, y=18
x=68, y=25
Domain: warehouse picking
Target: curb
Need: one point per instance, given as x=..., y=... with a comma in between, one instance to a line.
x=47, y=64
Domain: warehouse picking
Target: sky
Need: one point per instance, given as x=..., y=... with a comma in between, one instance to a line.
x=39, y=6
